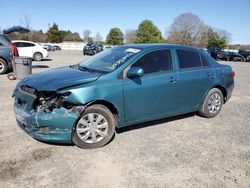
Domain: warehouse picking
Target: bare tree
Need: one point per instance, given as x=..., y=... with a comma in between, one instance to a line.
x=86, y=35
x=130, y=36
x=185, y=29
x=201, y=40
x=98, y=37
x=25, y=21
x=224, y=33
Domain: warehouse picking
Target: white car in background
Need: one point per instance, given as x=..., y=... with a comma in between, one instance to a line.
x=31, y=49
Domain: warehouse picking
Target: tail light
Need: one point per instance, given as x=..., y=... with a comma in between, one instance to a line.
x=232, y=74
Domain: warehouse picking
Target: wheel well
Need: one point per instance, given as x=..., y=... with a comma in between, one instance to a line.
x=38, y=53
x=4, y=59
x=223, y=91
x=109, y=105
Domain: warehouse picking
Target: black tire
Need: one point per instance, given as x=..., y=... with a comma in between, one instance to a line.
x=206, y=109
x=3, y=66
x=38, y=56
x=110, y=130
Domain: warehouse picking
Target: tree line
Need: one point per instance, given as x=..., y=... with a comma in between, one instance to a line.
x=186, y=29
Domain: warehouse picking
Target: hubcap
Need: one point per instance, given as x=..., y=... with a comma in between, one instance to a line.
x=1, y=66
x=214, y=103
x=92, y=128
x=38, y=57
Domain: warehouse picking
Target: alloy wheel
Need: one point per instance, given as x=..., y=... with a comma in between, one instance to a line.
x=214, y=103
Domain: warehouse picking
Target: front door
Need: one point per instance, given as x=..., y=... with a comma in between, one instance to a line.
x=152, y=95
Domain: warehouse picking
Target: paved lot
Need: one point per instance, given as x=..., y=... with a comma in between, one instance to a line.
x=184, y=151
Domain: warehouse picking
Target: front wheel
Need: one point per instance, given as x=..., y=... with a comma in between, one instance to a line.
x=3, y=66
x=212, y=104
x=95, y=128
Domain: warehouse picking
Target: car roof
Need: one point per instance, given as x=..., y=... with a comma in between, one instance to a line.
x=157, y=45
x=23, y=41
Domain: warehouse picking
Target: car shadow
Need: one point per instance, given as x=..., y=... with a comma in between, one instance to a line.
x=153, y=123
x=39, y=66
x=55, y=144
x=46, y=60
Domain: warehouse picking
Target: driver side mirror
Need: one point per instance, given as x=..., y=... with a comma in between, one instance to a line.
x=134, y=72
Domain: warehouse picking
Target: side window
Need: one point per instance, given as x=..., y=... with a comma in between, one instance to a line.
x=156, y=61
x=188, y=59
x=18, y=44
x=26, y=44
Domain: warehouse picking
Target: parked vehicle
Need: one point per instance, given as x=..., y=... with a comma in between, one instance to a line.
x=31, y=49
x=246, y=54
x=219, y=54
x=56, y=47
x=48, y=47
x=236, y=56
x=214, y=52
x=5, y=54
x=7, y=49
x=118, y=87
x=92, y=49
x=222, y=55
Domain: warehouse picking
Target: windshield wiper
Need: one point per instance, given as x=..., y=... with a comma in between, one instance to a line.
x=83, y=68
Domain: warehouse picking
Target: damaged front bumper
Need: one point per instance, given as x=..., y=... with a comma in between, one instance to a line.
x=54, y=125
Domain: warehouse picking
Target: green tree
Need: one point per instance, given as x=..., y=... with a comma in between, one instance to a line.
x=148, y=33
x=115, y=36
x=215, y=40
x=72, y=36
x=54, y=35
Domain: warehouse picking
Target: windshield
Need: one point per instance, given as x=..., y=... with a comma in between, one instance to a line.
x=110, y=59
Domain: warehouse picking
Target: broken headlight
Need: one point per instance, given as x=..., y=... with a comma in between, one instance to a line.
x=51, y=100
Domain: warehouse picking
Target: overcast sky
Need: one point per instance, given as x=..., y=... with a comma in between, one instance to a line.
x=101, y=15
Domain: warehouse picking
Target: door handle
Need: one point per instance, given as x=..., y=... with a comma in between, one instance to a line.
x=173, y=79
x=209, y=74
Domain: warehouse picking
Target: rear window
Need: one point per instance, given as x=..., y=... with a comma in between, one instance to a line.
x=190, y=59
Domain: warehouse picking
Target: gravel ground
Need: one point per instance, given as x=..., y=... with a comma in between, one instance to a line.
x=183, y=151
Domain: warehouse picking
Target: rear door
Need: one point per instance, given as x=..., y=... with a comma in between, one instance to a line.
x=25, y=48
x=196, y=78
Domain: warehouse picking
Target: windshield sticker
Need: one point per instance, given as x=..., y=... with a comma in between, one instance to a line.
x=122, y=60
x=132, y=50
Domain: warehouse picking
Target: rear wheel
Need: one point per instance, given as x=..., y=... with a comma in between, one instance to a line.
x=95, y=128
x=37, y=56
x=212, y=104
x=3, y=66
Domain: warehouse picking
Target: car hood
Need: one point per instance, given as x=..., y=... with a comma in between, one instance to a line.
x=56, y=79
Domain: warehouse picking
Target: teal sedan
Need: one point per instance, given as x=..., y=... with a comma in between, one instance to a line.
x=121, y=86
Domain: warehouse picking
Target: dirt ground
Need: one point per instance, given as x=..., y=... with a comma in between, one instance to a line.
x=183, y=151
